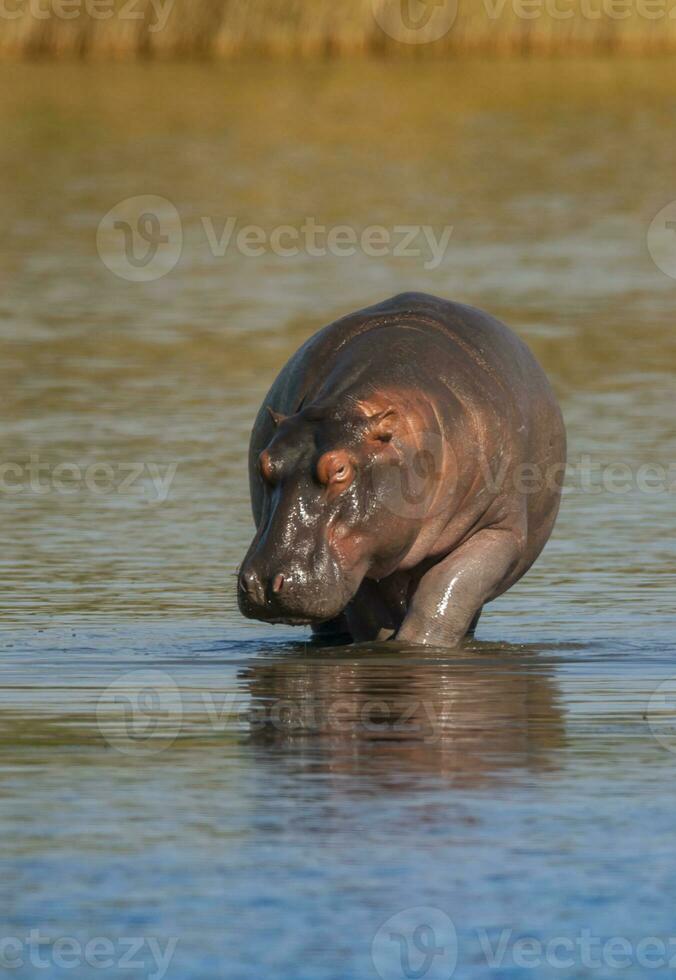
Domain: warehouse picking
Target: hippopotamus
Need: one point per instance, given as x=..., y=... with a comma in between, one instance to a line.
x=405, y=469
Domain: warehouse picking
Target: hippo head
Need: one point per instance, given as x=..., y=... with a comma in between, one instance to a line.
x=328, y=489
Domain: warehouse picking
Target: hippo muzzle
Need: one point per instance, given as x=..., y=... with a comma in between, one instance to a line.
x=285, y=592
x=291, y=573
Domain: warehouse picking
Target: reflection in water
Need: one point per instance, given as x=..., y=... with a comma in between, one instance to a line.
x=397, y=716
x=311, y=794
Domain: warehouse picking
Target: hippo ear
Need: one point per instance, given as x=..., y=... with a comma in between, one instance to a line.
x=381, y=427
x=276, y=417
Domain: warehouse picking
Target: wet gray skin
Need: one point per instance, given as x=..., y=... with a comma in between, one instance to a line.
x=405, y=469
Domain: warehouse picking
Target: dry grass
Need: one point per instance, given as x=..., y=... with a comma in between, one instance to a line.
x=225, y=28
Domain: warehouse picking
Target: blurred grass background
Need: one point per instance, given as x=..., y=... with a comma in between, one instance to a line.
x=225, y=28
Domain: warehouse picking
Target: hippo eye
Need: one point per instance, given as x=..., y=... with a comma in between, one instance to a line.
x=335, y=468
x=266, y=467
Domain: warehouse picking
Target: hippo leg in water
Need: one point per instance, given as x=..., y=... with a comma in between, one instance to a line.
x=405, y=469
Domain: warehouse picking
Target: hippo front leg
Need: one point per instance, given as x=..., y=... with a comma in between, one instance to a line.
x=334, y=632
x=378, y=609
x=453, y=591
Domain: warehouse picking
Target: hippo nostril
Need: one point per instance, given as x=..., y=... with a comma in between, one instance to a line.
x=250, y=585
x=278, y=583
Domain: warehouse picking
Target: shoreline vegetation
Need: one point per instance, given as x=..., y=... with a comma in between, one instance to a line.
x=221, y=29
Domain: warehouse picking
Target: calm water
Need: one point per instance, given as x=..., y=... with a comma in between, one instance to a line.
x=238, y=801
